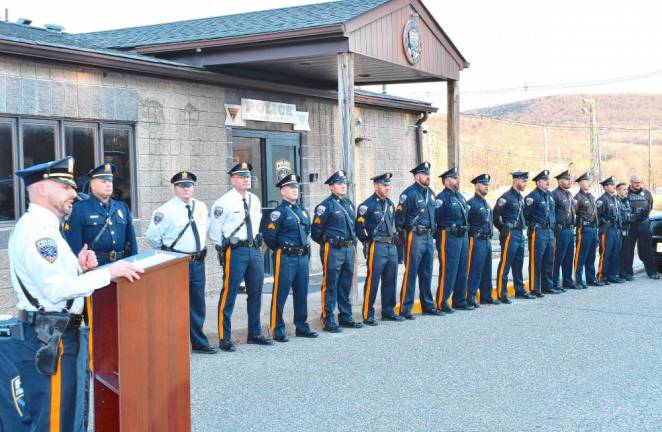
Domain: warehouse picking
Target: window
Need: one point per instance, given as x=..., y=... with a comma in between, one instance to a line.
x=26, y=141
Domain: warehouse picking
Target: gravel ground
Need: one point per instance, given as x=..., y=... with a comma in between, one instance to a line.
x=584, y=360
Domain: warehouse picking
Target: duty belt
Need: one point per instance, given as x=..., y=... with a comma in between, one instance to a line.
x=458, y=231
x=296, y=250
x=565, y=226
x=420, y=230
x=193, y=256
x=339, y=244
x=383, y=239
x=543, y=226
x=111, y=256
x=588, y=223
x=481, y=236
x=29, y=317
x=247, y=243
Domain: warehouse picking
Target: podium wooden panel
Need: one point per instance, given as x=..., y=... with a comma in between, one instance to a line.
x=141, y=351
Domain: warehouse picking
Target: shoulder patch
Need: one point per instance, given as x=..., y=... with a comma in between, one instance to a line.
x=438, y=203
x=529, y=201
x=502, y=202
x=403, y=198
x=363, y=209
x=274, y=215
x=47, y=248
x=598, y=203
x=319, y=211
x=218, y=211
x=158, y=217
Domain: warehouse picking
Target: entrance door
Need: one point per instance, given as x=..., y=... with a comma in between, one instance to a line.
x=271, y=154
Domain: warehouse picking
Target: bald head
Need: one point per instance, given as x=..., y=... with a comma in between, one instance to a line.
x=636, y=182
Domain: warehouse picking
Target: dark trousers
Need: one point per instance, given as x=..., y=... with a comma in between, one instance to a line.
x=14, y=415
x=641, y=236
x=541, y=257
x=197, y=309
x=419, y=261
x=336, y=283
x=564, y=250
x=512, y=257
x=50, y=399
x=610, y=247
x=241, y=264
x=479, y=269
x=584, y=262
x=452, y=252
x=289, y=272
x=382, y=266
x=623, y=256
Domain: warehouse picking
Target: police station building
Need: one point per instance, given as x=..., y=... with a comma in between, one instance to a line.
x=274, y=88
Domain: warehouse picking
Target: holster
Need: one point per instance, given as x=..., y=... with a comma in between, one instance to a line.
x=49, y=329
x=220, y=251
x=366, y=249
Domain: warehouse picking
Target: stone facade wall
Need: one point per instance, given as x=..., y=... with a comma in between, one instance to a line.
x=180, y=126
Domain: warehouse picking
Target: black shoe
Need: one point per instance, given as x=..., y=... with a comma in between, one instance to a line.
x=351, y=324
x=259, y=340
x=551, y=291
x=474, y=305
x=408, y=316
x=434, y=312
x=371, y=322
x=505, y=300
x=465, y=307
x=447, y=309
x=597, y=283
x=525, y=296
x=226, y=346
x=393, y=318
x=332, y=329
x=652, y=276
x=283, y=338
x=631, y=278
x=538, y=294
x=616, y=280
x=205, y=350
x=490, y=301
x=306, y=334
x=582, y=286
x=572, y=286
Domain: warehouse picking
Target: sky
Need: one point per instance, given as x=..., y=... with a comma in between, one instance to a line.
x=516, y=49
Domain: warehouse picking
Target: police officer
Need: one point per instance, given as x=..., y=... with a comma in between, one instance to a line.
x=287, y=235
x=102, y=223
x=50, y=284
x=626, y=219
x=375, y=227
x=609, y=215
x=564, y=232
x=333, y=229
x=452, y=244
x=234, y=223
x=180, y=225
x=414, y=216
x=539, y=214
x=509, y=220
x=641, y=201
x=587, y=234
x=480, y=244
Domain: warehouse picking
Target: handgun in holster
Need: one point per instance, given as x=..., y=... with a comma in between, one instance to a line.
x=220, y=251
x=49, y=329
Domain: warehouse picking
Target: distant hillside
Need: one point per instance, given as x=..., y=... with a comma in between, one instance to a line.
x=633, y=110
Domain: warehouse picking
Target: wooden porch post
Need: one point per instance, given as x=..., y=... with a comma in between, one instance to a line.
x=346, y=117
x=453, y=123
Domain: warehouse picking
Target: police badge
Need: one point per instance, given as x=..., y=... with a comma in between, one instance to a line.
x=47, y=248
x=218, y=211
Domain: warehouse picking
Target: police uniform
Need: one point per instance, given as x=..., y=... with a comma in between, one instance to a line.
x=234, y=229
x=415, y=216
x=181, y=227
x=627, y=218
x=14, y=416
x=107, y=229
x=46, y=277
x=451, y=218
x=540, y=217
x=564, y=235
x=480, y=247
x=609, y=215
x=287, y=235
x=333, y=229
x=375, y=227
x=587, y=237
x=639, y=234
x=509, y=220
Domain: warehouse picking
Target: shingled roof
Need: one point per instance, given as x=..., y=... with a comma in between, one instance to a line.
x=228, y=26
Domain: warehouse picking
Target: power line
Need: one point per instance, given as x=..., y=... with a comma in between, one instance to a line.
x=555, y=126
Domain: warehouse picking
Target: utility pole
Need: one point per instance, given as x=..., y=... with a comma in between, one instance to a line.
x=594, y=142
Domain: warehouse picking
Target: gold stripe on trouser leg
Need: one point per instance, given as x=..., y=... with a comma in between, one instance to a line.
x=532, y=261
x=325, y=264
x=274, y=294
x=226, y=288
x=504, y=258
x=442, y=269
x=403, y=292
x=603, y=242
x=90, y=323
x=471, y=248
x=368, y=281
x=56, y=393
x=577, y=248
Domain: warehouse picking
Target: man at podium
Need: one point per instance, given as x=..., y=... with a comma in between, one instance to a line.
x=51, y=283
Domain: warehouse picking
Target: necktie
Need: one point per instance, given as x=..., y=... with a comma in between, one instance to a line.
x=388, y=218
x=247, y=218
x=302, y=231
x=194, y=227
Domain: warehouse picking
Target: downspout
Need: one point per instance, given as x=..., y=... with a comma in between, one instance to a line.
x=419, y=136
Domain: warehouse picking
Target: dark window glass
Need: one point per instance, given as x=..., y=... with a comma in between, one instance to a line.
x=117, y=150
x=38, y=143
x=79, y=142
x=7, y=209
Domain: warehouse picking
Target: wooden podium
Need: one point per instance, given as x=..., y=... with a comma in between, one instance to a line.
x=140, y=348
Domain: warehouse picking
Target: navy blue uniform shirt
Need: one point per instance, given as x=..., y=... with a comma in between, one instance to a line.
x=587, y=210
x=375, y=218
x=416, y=207
x=480, y=216
x=564, y=206
x=334, y=219
x=539, y=208
x=509, y=210
x=289, y=225
x=609, y=210
x=451, y=209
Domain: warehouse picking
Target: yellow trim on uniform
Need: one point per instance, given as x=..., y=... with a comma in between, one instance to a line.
x=56, y=393
x=504, y=258
x=578, y=247
x=471, y=248
x=403, y=291
x=90, y=322
x=532, y=261
x=368, y=281
x=274, y=294
x=325, y=264
x=442, y=269
x=603, y=240
x=226, y=288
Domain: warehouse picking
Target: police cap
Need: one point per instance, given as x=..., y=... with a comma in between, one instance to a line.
x=60, y=170
x=103, y=172
x=337, y=177
x=483, y=178
x=184, y=179
x=289, y=180
x=384, y=179
x=422, y=168
x=242, y=169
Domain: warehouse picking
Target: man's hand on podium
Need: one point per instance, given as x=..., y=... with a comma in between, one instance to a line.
x=87, y=259
x=126, y=270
